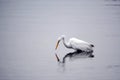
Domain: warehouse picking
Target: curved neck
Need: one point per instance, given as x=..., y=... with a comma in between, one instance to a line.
x=65, y=43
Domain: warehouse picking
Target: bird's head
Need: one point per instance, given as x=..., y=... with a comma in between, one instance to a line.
x=58, y=41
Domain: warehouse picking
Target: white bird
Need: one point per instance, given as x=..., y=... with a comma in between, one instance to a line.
x=76, y=44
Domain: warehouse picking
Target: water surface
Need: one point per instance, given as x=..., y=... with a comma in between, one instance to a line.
x=29, y=30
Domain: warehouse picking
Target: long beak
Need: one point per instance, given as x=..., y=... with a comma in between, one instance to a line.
x=57, y=57
x=57, y=44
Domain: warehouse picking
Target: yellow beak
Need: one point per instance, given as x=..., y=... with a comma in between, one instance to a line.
x=57, y=44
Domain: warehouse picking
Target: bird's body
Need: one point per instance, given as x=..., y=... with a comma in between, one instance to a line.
x=81, y=48
x=76, y=44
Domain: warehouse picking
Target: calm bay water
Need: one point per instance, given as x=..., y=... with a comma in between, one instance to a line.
x=29, y=30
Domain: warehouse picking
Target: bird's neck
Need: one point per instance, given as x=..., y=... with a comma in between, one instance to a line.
x=65, y=43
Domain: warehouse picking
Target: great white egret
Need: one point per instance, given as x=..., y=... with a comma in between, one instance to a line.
x=76, y=44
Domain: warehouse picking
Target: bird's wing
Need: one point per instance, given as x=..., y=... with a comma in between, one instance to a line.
x=79, y=44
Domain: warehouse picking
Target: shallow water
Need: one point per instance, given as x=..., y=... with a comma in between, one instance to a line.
x=29, y=31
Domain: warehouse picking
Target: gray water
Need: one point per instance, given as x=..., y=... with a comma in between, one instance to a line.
x=29, y=30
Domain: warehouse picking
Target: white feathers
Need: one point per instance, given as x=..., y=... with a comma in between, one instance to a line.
x=76, y=44
x=80, y=44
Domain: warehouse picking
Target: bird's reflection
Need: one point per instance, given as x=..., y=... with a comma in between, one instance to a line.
x=75, y=55
x=72, y=55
